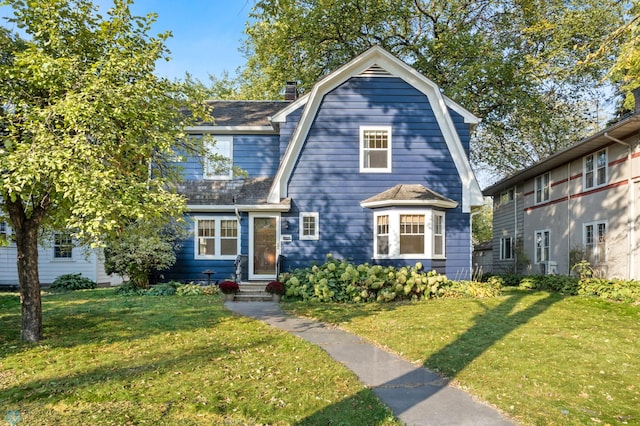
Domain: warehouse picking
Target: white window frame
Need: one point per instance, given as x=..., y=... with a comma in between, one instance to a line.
x=217, y=238
x=507, y=196
x=394, y=233
x=593, y=180
x=4, y=229
x=543, y=188
x=596, y=236
x=56, y=246
x=221, y=145
x=364, y=169
x=504, y=253
x=438, y=215
x=541, y=234
x=316, y=220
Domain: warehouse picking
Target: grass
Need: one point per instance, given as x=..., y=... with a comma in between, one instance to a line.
x=540, y=357
x=169, y=360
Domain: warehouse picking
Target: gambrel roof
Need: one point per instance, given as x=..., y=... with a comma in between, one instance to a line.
x=379, y=60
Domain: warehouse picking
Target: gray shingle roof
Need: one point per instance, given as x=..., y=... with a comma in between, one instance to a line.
x=244, y=113
x=408, y=194
x=226, y=192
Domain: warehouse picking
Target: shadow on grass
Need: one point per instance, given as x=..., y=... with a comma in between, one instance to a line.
x=362, y=408
x=490, y=326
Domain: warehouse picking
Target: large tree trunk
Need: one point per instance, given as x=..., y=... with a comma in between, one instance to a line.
x=26, y=234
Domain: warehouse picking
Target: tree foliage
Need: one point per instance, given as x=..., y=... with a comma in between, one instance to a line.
x=482, y=223
x=89, y=133
x=511, y=63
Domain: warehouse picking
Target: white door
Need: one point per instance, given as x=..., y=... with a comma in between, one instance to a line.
x=264, y=234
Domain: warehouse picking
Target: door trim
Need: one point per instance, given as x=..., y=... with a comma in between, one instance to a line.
x=252, y=217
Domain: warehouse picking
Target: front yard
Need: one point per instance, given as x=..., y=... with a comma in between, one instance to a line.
x=107, y=359
x=540, y=357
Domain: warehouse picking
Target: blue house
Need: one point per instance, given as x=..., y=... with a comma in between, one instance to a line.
x=371, y=165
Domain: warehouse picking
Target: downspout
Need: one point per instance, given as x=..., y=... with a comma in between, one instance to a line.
x=515, y=229
x=569, y=221
x=631, y=207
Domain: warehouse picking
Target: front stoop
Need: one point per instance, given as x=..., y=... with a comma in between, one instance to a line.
x=253, y=292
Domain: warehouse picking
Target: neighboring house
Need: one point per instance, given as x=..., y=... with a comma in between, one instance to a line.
x=582, y=202
x=56, y=256
x=482, y=258
x=371, y=166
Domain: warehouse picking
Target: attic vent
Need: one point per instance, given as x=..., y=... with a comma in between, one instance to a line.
x=375, y=71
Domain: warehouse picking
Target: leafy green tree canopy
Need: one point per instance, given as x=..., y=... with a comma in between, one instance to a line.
x=513, y=63
x=88, y=132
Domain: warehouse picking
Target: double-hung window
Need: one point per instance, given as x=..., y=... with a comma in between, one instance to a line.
x=375, y=149
x=219, y=164
x=595, y=242
x=3, y=230
x=216, y=238
x=62, y=245
x=542, y=188
x=595, y=169
x=309, y=226
x=409, y=234
x=542, y=241
x=506, y=248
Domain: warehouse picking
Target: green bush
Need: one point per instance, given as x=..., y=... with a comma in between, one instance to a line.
x=129, y=288
x=614, y=289
x=165, y=289
x=189, y=290
x=211, y=290
x=562, y=284
x=70, y=282
x=341, y=281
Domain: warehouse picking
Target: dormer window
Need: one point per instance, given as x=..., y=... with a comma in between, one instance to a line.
x=375, y=149
x=221, y=166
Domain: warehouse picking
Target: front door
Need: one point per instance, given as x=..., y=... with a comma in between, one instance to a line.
x=263, y=246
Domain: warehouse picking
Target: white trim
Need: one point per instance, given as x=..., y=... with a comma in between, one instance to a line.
x=471, y=194
x=502, y=248
x=413, y=203
x=217, y=238
x=535, y=245
x=215, y=149
x=228, y=208
x=230, y=130
x=389, y=149
x=595, y=170
x=394, y=233
x=438, y=213
x=543, y=199
x=281, y=116
x=252, y=217
x=595, y=224
x=314, y=215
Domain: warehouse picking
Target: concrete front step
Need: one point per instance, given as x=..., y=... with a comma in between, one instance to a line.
x=253, y=291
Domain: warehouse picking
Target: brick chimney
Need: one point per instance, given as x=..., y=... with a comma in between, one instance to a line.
x=636, y=95
x=291, y=91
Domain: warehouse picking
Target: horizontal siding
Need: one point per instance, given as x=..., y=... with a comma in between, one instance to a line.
x=287, y=129
x=329, y=165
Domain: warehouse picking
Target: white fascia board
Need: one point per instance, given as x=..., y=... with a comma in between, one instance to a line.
x=410, y=203
x=281, y=116
x=469, y=117
x=471, y=194
x=231, y=208
x=230, y=130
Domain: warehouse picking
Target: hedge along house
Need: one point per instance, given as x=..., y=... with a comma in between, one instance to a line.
x=371, y=165
x=582, y=202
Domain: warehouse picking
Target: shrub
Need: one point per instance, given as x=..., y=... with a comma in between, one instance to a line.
x=166, y=289
x=70, y=282
x=189, y=290
x=129, y=288
x=211, y=290
x=229, y=287
x=275, y=287
x=614, y=289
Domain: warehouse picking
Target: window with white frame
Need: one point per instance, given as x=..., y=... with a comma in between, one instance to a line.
x=506, y=196
x=409, y=234
x=506, y=248
x=216, y=237
x=375, y=149
x=3, y=229
x=438, y=234
x=542, y=246
x=595, y=169
x=595, y=242
x=542, y=188
x=309, y=226
x=220, y=164
x=62, y=245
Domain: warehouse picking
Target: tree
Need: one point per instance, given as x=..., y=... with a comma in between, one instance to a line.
x=89, y=133
x=482, y=222
x=513, y=63
x=143, y=248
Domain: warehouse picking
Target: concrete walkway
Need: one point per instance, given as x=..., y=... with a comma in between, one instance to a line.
x=416, y=395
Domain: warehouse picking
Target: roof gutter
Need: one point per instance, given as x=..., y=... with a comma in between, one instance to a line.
x=631, y=206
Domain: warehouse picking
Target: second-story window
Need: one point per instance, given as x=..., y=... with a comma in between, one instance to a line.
x=221, y=166
x=375, y=149
x=595, y=169
x=542, y=188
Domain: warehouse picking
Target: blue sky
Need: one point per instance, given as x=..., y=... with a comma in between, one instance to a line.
x=206, y=34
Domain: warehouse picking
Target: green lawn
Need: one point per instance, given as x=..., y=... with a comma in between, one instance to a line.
x=107, y=359
x=542, y=358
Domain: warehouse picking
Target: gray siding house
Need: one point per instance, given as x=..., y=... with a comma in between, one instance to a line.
x=580, y=203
